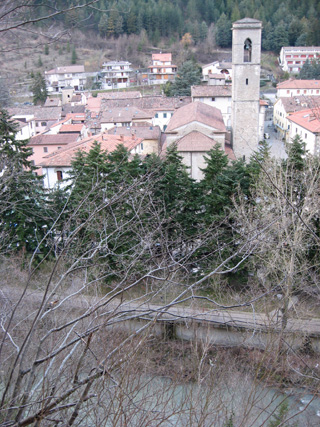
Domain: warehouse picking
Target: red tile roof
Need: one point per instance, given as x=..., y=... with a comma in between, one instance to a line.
x=195, y=141
x=76, y=116
x=124, y=115
x=144, y=132
x=109, y=143
x=59, y=139
x=211, y=90
x=162, y=57
x=197, y=112
x=299, y=84
x=306, y=119
x=76, y=128
x=94, y=104
x=119, y=95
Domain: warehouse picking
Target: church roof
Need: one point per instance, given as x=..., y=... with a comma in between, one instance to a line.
x=197, y=112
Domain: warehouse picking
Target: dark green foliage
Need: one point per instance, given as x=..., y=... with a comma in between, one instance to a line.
x=189, y=74
x=23, y=216
x=74, y=56
x=296, y=153
x=300, y=26
x=39, y=89
x=310, y=71
x=223, y=31
x=221, y=181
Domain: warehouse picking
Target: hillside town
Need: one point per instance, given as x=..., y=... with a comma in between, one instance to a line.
x=160, y=249
x=73, y=118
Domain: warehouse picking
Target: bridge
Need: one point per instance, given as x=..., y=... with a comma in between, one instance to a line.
x=224, y=327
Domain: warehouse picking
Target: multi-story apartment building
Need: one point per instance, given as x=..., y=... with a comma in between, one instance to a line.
x=291, y=59
x=116, y=74
x=161, y=69
x=298, y=88
x=63, y=77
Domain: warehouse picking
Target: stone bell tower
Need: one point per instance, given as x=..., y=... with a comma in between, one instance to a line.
x=246, y=55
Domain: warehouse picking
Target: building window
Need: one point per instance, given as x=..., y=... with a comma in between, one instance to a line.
x=247, y=50
x=164, y=115
x=59, y=148
x=156, y=116
x=59, y=175
x=305, y=135
x=141, y=146
x=43, y=123
x=45, y=149
x=213, y=98
x=247, y=82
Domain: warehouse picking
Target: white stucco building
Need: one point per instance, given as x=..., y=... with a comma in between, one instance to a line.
x=62, y=77
x=116, y=74
x=292, y=58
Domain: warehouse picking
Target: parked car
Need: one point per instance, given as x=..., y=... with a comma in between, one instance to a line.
x=266, y=136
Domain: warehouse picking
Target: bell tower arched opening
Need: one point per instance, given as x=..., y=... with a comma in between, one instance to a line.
x=247, y=51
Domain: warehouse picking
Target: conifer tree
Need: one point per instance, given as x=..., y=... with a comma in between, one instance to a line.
x=74, y=56
x=296, y=152
x=39, y=89
x=189, y=74
x=23, y=213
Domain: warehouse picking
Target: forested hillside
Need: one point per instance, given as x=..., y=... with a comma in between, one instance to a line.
x=289, y=22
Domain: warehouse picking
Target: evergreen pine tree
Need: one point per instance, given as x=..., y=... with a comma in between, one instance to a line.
x=296, y=153
x=223, y=34
x=189, y=74
x=74, y=56
x=23, y=212
x=39, y=89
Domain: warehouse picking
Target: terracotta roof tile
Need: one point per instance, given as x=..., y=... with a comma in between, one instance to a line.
x=211, y=90
x=108, y=143
x=123, y=115
x=44, y=139
x=145, y=132
x=298, y=103
x=94, y=104
x=162, y=57
x=52, y=102
x=306, y=119
x=40, y=113
x=76, y=128
x=197, y=112
x=299, y=84
x=195, y=141
x=119, y=95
